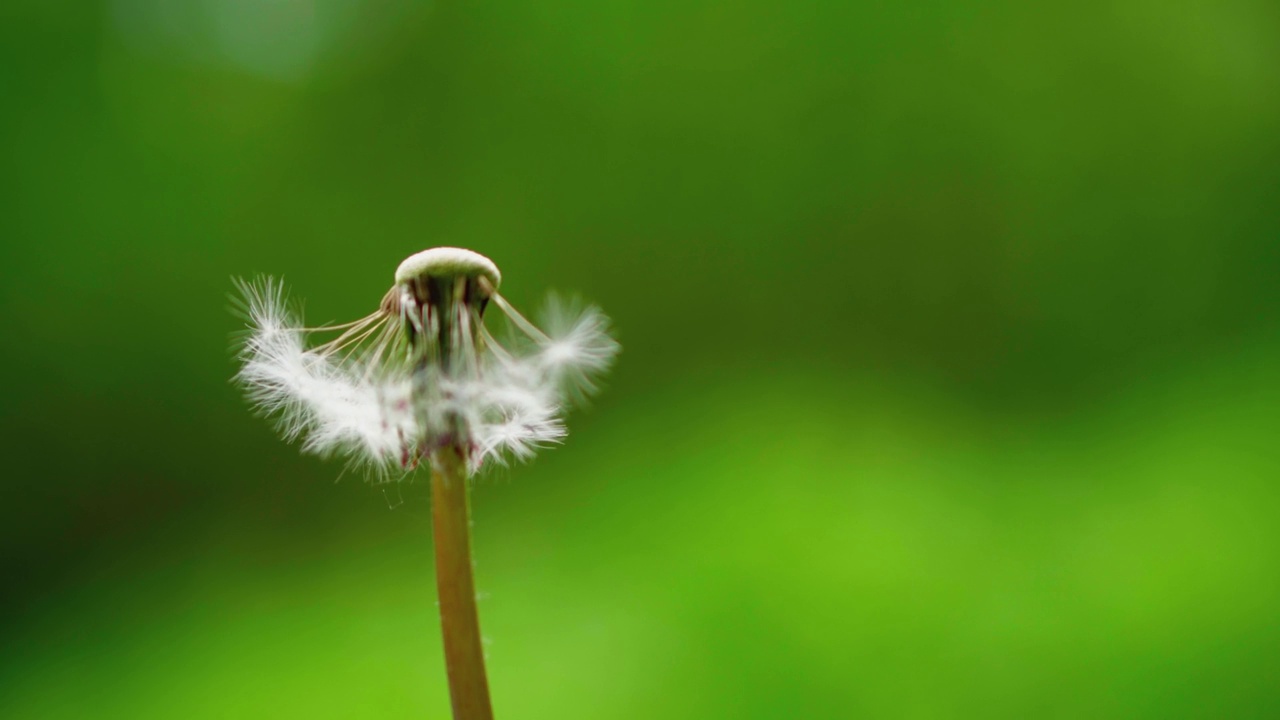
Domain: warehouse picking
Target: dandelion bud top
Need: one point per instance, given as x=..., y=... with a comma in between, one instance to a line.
x=448, y=262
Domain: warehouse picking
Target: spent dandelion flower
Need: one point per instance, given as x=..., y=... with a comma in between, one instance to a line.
x=421, y=379
x=422, y=372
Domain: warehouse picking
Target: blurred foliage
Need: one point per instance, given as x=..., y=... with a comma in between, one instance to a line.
x=949, y=386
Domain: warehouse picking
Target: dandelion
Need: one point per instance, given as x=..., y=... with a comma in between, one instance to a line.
x=422, y=379
x=422, y=372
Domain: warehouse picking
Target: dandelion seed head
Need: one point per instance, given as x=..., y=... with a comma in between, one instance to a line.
x=422, y=372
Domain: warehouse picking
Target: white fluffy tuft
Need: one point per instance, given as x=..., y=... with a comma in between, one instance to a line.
x=578, y=346
x=331, y=405
x=364, y=396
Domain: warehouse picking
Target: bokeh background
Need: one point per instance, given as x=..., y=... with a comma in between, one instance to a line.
x=951, y=381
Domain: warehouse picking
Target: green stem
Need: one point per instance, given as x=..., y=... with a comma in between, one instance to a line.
x=459, y=621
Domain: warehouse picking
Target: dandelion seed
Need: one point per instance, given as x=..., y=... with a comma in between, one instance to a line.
x=422, y=372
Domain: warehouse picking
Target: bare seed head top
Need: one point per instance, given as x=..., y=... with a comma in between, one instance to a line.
x=448, y=262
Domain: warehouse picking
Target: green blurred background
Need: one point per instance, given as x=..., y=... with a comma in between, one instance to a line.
x=951, y=371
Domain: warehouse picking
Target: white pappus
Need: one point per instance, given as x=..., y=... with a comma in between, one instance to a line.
x=422, y=373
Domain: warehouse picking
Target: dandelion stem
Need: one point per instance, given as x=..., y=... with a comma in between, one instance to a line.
x=459, y=621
